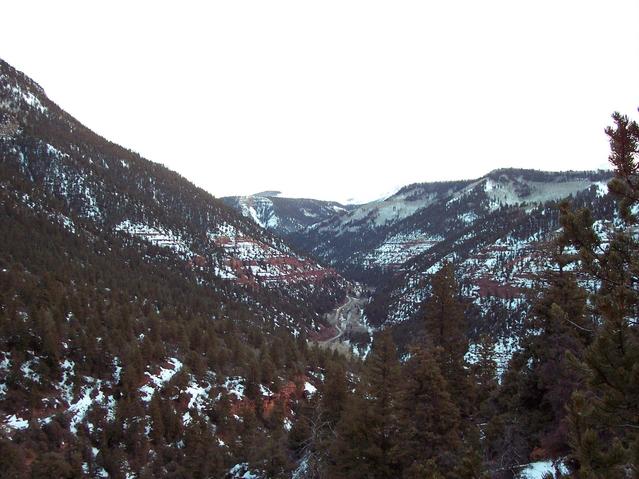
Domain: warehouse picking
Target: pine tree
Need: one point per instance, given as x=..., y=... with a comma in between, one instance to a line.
x=444, y=320
x=157, y=420
x=12, y=460
x=314, y=431
x=203, y=457
x=333, y=394
x=530, y=406
x=605, y=415
x=563, y=332
x=380, y=382
x=367, y=432
x=274, y=455
x=484, y=372
x=51, y=465
x=446, y=335
x=429, y=421
x=348, y=451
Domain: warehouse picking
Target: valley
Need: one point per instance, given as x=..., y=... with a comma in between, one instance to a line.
x=348, y=322
x=498, y=230
x=453, y=329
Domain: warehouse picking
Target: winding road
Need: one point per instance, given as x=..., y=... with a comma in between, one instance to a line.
x=346, y=317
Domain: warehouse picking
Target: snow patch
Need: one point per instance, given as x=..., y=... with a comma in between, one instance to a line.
x=538, y=470
x=399, y=248
x=16, y=423
x=28, y=372
x=242, y=471
x=309, y=388
x=234, y=386
x=29, y=98
x=79, y=409
x=156, y=382
x=159, y=236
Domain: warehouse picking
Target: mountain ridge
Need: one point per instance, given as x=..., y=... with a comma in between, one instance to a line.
x=89, y=174
x=507, y=217
x=381, y=219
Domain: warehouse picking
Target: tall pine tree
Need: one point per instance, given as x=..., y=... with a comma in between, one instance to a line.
x=444, y=321
x=605, y=415
x=430, y=439
x=446, y=335
x=367, y=432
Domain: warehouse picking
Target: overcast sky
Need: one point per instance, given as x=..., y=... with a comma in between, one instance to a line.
x=336, y=99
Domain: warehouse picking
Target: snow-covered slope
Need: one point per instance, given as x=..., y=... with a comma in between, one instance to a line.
x=136, y=310
x=285, y=215
x=89, y=183
x=498, y=259
x=384, y=235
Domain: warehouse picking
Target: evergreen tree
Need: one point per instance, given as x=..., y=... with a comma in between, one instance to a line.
x=380, y=381
x=484, y=372
x=605, y=415
x=51, y=465
x=446, y=331
x=444, y=320
x=157, y=420
x=348, y=451
x=367, y=432
x=333, y=394
x=429, y=421
x=275, y=460
x=530, y=407
x=561, y=333
x=12, y=460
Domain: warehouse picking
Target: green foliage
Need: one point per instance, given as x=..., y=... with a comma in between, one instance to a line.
x=104, y=301
x=429, y=420
x=605, y=413
x=366, y=436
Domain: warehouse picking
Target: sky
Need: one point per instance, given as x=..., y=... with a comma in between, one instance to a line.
x=339, y=100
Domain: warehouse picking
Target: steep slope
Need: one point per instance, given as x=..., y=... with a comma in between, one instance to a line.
x=498, y=230
x=382, y=236
x=141, y=320
x=499, y=261
x=99, y=185
x=284, y=215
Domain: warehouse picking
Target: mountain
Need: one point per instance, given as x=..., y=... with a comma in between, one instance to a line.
x=97, y=185
x=284, y=215
x=138, y=314
x=499, y=261
x=367, y=241
x=382, y=236
x=148, y=329
x=497, y=230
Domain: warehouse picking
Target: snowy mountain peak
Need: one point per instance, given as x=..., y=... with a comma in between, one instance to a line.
x=268, y=193
x=284, y=215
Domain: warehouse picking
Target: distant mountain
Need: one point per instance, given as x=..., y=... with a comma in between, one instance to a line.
x=285, y=215
x=496, y=229
x=383, y=235
x=380, y=237
x=498, y=260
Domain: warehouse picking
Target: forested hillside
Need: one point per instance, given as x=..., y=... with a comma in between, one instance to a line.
x=142, y=319
x=565, y=405
x=149, y=330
